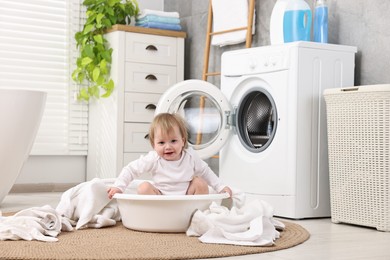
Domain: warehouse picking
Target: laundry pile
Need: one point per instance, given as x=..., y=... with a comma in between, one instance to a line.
x=83, y=206
x=158, y=20
x=37, y=223
x=247, y=223
x=87, y=206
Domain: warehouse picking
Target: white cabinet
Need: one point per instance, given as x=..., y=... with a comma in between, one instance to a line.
x=145, y=62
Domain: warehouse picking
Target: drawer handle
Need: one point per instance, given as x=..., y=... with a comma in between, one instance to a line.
x=350, y=89
x=150, y=106
x=146, y=136
x=151, y=48
x=151, y=77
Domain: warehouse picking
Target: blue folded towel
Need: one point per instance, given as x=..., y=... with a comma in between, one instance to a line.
x=163, y=26
x=159, y=19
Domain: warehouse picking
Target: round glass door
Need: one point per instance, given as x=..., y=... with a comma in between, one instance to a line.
x=204, y=108
x=256, y=120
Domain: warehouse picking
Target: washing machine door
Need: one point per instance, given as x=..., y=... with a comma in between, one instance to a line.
x=206, y=111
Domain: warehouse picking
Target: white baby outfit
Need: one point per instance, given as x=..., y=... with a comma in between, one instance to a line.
x=170, y=177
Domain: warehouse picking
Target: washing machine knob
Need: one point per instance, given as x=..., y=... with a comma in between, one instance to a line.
x=274, y=61
x=252, y=64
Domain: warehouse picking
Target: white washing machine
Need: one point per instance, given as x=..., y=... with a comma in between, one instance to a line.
x=268, y=121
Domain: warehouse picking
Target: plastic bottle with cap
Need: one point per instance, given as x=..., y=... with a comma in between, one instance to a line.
x=320, y=28
x=290, y=21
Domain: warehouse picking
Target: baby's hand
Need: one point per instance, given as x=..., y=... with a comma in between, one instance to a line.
x=228, y=190
x=111, y=191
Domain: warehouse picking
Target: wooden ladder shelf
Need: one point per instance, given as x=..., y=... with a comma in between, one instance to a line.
x=210, y=33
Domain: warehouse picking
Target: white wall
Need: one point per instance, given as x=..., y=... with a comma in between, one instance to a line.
x=151, y=4
x=53, y=169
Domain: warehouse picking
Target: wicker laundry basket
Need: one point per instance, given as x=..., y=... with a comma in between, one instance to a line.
x=358, y=121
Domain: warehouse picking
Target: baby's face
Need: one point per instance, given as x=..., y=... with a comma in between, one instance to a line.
x=168, y=146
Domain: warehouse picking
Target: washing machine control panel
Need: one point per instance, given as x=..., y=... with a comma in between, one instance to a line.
x=235, y=65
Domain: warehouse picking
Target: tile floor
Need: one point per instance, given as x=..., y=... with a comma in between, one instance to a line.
x=327, y=241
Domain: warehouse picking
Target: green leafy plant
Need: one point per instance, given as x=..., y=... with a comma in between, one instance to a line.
x=94, y=62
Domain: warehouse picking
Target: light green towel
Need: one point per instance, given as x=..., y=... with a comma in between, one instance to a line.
x=158, y=19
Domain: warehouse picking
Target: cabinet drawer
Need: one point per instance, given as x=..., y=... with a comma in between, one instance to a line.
x=151, y=49
x=140, y=107
x=129, y=157
x=149, y=78
x=136, y=137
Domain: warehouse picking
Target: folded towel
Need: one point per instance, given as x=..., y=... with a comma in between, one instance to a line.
x=37, y=223
x=163, y=26
x=88, y=204
x=159, y=19
x=250, y=224
x=146, y=12
x=229, y=14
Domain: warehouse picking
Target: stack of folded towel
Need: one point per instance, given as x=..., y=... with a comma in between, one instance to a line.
x=158, y=20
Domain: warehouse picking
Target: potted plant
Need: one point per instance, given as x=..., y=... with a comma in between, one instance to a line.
x=94, y=61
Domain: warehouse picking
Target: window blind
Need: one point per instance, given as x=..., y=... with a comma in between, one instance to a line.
x=37, y=51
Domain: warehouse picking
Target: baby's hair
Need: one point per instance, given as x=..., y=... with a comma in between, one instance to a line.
x=166, y=122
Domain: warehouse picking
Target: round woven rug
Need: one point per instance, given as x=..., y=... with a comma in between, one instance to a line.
x=117, y=242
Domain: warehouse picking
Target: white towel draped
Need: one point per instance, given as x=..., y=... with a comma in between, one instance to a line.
x=246, y=223
x=88, y=204
x=85, y=206
x=37, y=223
x=230, y=14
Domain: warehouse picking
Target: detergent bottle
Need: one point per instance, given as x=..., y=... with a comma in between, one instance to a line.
x=320, y=28
x=290, y=21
